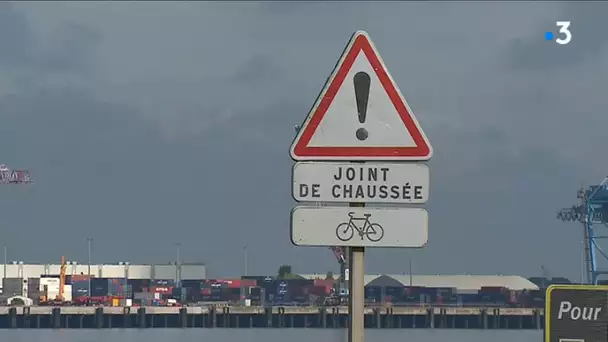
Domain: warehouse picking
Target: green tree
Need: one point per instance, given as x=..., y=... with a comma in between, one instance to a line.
x=284, y=271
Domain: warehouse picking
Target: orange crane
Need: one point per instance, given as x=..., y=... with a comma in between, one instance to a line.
x=59, y=299
x=62, y=272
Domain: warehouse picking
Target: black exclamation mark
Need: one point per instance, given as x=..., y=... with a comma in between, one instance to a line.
x=362, y=82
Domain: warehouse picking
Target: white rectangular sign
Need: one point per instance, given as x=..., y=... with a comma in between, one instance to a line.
x=360, y=183
x=354, y=226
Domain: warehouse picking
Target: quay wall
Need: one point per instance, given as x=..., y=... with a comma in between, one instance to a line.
x=267, y=317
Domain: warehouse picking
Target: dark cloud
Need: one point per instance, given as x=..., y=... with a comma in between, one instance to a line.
x=257, y=69
x=15, y=37
x=507, y=151
x=71, y=47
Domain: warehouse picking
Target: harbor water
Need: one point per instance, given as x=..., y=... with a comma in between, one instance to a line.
x=267, y=335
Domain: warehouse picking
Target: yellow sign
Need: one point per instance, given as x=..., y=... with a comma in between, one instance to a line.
x=580, y=313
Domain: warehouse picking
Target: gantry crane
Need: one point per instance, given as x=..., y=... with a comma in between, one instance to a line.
x=591, y=212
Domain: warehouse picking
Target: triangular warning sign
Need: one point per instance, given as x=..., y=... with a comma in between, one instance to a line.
x=361, y=115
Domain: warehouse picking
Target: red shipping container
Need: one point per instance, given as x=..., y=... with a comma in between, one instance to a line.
x=327, y=284
x=80, y=277
x=161, y=289
x=248, y=282
x=492, y=289
x=320, y=290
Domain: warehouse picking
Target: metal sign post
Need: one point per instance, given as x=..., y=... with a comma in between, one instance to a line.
x=356, y=292
x=360, y=145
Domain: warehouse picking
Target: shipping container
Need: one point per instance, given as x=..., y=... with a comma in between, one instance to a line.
x=193, y=283
x=493, y=298
x=79, y=277
x=413, y=289
x=109, y=286
x=230, y=283
x=469, y=299
x=295, y=285
x=137, y=285
x=258, y=279
x=328, y=284
x=414, y=299
x=394, y=294
x=282, y=288
x=67, y=293
x=373, y=294
x=161, y=289
x=492, y=289
x=162, y=282
x=255, y=293
x=80, y=288
x=49, y=281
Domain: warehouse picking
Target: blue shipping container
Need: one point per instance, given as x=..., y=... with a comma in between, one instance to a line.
x=80, y=288
x=101, y=287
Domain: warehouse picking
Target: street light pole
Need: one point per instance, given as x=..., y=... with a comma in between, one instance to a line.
x=177, y=264
x=5, y=262
x=246, y=260
x=89, y=240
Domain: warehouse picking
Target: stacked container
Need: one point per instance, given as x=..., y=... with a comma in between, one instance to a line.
x=139, y=285
x=118, y=287
x=34, y=290
x=442, y=295
x=373, y=294
x=80, y=288
x=494, y=295
x=162, y=282
x=415, y=295
x=13, y=286
x=394, y=294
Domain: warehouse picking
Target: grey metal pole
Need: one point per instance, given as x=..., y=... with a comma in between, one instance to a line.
x=89, y=266
x=5, y=261
x=410, y=272
x=246, y=260
x=177, y=264
x=356, y=292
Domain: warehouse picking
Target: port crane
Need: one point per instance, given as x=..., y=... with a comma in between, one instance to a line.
x=591, y=212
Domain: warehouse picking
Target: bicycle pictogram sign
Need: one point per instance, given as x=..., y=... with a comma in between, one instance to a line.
x=346, y=230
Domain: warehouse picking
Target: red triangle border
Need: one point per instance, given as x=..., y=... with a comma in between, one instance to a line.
x=301, y=148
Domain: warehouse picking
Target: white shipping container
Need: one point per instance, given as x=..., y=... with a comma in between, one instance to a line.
x=128, y=302
x=67, y=293
x=49, y=281
x=50, y=288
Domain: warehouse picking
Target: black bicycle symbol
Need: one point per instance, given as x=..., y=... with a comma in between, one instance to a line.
x=346, y=230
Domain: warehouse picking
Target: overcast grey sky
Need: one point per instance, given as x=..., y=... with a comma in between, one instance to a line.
x=146, y=124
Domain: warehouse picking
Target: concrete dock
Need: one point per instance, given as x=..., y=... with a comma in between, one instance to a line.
x=260, y=317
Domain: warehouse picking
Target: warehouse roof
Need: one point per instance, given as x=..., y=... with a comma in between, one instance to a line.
x=460, y=282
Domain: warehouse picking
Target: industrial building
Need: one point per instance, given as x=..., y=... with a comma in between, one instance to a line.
x=119, y=270
x=459, y=282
